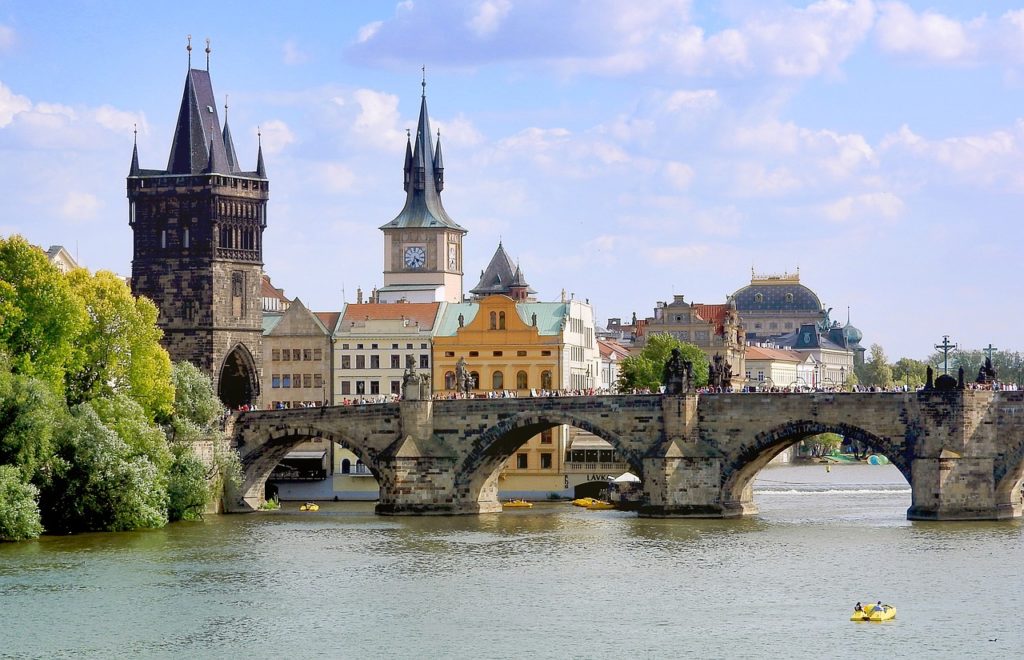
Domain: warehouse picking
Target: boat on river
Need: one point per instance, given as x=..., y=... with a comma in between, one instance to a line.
x=310, y=506
x=600, y=505
x=874, y=612
x=517, y=504
x=583, y=501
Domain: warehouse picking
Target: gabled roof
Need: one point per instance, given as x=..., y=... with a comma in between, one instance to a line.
x=268, y=290
x=297, y=321
x=329, y=319
x=608, y=348
x=423, y=314
x=423, y=206
x=714, y=314
x=500, y=275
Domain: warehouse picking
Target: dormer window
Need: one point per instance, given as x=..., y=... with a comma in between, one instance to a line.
x=759, y=297
x=789, y=297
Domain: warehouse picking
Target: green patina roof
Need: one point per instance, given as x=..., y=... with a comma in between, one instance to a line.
x=270, y=322
x=549, y=316
x=449, y=322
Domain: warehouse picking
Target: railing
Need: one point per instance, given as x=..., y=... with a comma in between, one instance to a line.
x=620, y=466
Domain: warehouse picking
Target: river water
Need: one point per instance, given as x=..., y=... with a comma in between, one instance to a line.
x=554, y=581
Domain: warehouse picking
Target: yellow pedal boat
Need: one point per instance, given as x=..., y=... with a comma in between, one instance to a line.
x=310, y=506
x=517, y=504
x=583, y=501
x=873, y=612
x=600, y=505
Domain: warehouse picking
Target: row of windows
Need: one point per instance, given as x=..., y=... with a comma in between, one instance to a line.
x=296, y=354
x=296, y=380
x=374, y=347
x=349, y=387
x=788, y=325
x=396, y=361
x=523, y=461
x=449, y=354
x=498, y=380
x=759, y=297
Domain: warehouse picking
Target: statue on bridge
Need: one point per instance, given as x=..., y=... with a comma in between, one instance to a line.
x=463, y=378
x=415, y=386
x=719, y=372
x=986, y=373
x=677, y=375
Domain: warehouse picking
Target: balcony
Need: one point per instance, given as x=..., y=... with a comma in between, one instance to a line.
x=574, y=467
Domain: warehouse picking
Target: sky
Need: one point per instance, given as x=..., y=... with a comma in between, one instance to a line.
x=624, y=152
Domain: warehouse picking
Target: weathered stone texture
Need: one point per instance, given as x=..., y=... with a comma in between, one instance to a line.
x=961, y=452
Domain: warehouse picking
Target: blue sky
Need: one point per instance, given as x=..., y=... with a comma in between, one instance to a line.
x=622, y=151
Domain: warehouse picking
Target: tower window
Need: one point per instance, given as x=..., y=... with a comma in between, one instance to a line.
x=185, y=240
x=163, y=238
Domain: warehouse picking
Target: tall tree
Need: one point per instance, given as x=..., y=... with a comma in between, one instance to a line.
x=40, y=316
x=909, y=372
x=644, y=371
x=877, y=372
x=118, y=350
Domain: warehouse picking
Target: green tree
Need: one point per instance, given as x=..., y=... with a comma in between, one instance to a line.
x=910, y=372
x=646, y=369
x=877, y=372
x=40, y=316
x=118, y=350
x=19, y=509
x=96, y=482
x=196, y=407
x=188, y=490
x=29, y=411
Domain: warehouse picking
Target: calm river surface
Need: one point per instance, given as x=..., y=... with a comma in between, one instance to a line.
x=554, y=581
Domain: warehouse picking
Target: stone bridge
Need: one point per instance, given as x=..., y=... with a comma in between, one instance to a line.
x=962, y=452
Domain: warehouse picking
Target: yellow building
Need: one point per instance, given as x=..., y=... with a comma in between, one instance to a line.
x=521, y=349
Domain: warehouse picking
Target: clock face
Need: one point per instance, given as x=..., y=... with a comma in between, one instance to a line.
x=451, y=256
x=415, y=257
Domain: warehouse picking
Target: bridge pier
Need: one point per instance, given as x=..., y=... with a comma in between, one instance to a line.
x=687, y=487
x=952, y=487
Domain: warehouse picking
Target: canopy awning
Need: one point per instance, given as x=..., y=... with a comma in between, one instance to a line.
x=589, y=442
x=626, y=477
x=306, y=455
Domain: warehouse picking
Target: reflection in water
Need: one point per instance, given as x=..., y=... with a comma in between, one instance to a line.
x=552, y=581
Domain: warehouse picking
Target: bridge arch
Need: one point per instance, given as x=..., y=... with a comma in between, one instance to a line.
x=741, y=468
x=476, y=478
x=1009, y=478
x=260, y=461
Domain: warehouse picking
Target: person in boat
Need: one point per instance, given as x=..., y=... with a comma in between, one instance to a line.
x=880, y=607
x=858, y=607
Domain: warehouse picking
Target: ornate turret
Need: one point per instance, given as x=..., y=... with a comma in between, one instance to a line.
x=229, y=144
x=438, y=165
x=504, y=277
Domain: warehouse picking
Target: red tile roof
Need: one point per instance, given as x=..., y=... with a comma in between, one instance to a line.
x=268, y=290
x=713, y=314
x=774, y=354
x=608, y=347
x=329, y=319
x=422, y=313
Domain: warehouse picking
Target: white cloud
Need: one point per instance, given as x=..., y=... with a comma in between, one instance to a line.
x=292, y=55
x=488, y=17
x=673, y=254
x=337, y=177
x=378, y=120
x=11, y=104
x=7, y=38
x=839, y=155
x=368, y=31
x=928, y=34
x=752, y=179
x=866, y=206
x=679, y=175
x=80, y=206
x=119, y=121
x=724, y=221
x=687, y=99
x=275, y=136
x=458, y=132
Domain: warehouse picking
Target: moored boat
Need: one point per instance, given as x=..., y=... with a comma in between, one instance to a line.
x=599, y=505
x=583, y=501
x=517, y=504
x=310, y=506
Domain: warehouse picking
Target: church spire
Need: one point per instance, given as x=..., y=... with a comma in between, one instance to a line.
x=229, y=143
x=438, y=165
x=408, y=161
x=423, y=183
x=261, y=169
x=134, y=170
x=196, y=127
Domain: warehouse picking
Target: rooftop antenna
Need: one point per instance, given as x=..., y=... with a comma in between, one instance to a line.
x=225, y=107
x=259, y=137
x=189, y=49
x=207, y=53
x=135, y=130
x=423, y=82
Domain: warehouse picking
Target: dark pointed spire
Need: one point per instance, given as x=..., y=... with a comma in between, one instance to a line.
x=423, y=206
x=438, y=165
x=218, y=163
x=196, y=127
x=229, y=143
x=261, y=169
x=408, y=161
x=134, y=170
x=502, y=276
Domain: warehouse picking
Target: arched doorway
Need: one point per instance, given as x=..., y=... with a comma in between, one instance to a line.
x=237, y=385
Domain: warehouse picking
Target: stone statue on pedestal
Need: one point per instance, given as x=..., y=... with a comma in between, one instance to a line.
x=677, y=375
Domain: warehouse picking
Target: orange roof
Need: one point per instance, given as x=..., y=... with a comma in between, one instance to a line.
x=712, y=314
x=608, y=347
x=268, y=290
x=772, y=354
x=329, y=319
x=421, y=313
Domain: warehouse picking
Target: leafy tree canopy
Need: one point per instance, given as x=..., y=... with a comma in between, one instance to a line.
x=29, y=411
x=196, y=407
x=646, y=369
x=876, y=371
x=19, y=513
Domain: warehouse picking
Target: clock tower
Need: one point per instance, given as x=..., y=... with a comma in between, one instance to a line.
x=422, y=245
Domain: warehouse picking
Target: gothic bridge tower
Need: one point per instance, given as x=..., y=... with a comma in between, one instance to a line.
x=198, y=245
x=422, y=245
